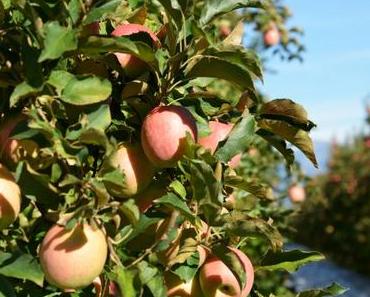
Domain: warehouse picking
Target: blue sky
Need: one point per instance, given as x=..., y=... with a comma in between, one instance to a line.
x=334, y=78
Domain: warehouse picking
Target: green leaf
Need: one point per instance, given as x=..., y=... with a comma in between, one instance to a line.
x=173, y=201
x=289, y=260
x=210, y=66
x=178, y=188
x=6, y=288
x=22, y=90
x=98, y=13
x=255, y=187
x=214, y=8
x=244, y=225
x=58, y=40
x=206, y=189
x=238, y=140
x=94, y=45
x=296, y=136
x=288, y=111
x=278, y=143
x=21, y=266
x=86, y=91
x=173, y=10
x=131, y=211
x=238, y=55
x=333, y=290
x=152, y=278
x=143, y=224
x=59, y=79
x=125, y=280
x=74, y=9
x=99, y=118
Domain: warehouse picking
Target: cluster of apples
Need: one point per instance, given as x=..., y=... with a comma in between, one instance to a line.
x=214, y=278
x=74, y=258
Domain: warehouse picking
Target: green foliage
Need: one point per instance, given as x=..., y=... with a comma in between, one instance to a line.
x=76, y=117
x=336, y=215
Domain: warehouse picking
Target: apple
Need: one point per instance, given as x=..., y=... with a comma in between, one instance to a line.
x=219, y=132
x=136, y=167
x=72, y=259
x=216, y=279
x=13, y=150
x=176, y=287
x=132, y=65
x=163, y=134
x=296, y=193
x=271, y=36
x=10, y=198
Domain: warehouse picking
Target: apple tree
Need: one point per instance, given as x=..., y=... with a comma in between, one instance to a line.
x=116, y=179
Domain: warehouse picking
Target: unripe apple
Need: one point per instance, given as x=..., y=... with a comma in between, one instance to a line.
x=296, y=193
x=271, y=36
x=219, y=132
x=217, y=280
x=10, y=198
x=135, y=166
x=163, y=134
x=72, y=259
x=132, y=65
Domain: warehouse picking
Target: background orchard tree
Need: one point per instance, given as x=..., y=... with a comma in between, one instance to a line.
x=93, y=167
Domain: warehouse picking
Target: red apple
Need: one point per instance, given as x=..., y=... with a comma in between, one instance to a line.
x=219, y=132
x=10, y=198
x=216, y=279
x=135, y=166
x=271, y=36
x=72, y=259
x=163, y=134
x=296, y=193
x=132, y=65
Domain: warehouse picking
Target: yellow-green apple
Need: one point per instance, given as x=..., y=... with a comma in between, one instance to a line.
x=219, y=132
x=163, y=134
x=10, y=198
x=132, y=65
x=271, y=36
x=135, y=166
x=72, y=259
x=296, y=193
x=217, y=280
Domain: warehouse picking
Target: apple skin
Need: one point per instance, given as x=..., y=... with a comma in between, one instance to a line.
x=219, y=132
x=10, y=198
x=217, y=280
x=132, y=65
x=296, y=193
x=136, y=167
x=175, y=287
x=10, y=149
x=72, y=259
x=271, y=36
x=163, y=134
